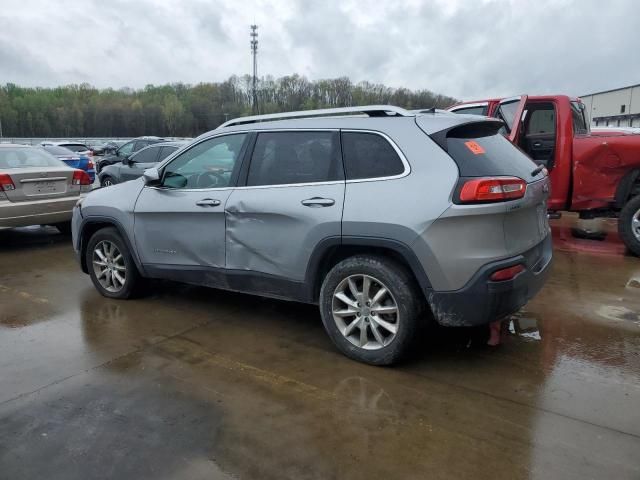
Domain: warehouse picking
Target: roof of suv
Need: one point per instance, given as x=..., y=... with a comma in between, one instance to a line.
x=430, y=121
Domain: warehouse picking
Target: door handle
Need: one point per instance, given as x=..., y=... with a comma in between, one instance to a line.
x=318, y=202
x=208, y=202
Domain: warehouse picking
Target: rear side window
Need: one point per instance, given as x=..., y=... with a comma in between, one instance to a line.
x=579, y=121
x=369, y=155
x=479, y=150
x=281, y=158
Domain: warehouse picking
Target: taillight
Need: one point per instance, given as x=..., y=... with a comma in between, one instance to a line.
x=492, y=189
x=90, y=165
x=507, y=273
x=80, y=177
x=6, y=183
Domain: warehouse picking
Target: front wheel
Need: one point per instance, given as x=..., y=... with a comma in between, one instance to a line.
x=370, y=307
x=629, y=225
x=111, y=266
x=107, y=181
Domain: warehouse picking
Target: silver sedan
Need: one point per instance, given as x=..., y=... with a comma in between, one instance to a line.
x=37, y=189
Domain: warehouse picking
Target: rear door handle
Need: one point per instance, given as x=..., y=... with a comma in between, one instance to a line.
x=318, y=202
x=208, y=202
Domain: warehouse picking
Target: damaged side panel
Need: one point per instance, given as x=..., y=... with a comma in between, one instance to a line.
x=271, y=231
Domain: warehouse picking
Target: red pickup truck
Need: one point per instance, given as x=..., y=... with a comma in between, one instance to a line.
x=594, y=174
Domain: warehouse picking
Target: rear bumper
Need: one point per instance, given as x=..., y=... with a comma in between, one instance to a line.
x=37, y=212
x=482, y=301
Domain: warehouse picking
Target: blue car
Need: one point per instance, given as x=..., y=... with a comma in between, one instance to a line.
x=73, y=159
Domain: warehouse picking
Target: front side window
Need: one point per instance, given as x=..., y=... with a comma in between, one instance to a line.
x=369, y=155
x=282, y=158
x=148, y=155
x=140, y=144
x=579, y=121
x=209, y=164
x=126, y=149
x=165, y=152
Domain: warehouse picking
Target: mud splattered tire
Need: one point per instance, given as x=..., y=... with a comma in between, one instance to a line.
x=371, y=308
x=629, y=225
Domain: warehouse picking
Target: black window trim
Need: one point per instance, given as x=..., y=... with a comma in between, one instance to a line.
x=399, y=152
x=233, y=181
x=242, y=184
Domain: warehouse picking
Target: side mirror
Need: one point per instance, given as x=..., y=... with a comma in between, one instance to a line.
x=151, y=176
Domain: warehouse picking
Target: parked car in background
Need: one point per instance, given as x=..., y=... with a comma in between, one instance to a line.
x=97, y=147
x=111, y=146
x=379, y=219
x=77, y=147
x=134, y=166
x=126, y=149
x=72, y=159
x=594, y=173
x=37, y=189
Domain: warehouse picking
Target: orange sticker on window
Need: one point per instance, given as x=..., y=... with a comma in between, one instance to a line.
x=475, y=147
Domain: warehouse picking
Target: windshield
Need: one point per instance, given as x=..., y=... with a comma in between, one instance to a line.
x=21, y=157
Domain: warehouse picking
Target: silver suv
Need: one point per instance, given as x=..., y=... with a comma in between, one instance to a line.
x=383, y=217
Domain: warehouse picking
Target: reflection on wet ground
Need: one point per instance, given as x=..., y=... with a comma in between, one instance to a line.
x=197, y=383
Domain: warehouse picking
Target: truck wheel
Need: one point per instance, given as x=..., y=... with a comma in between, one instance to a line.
x=370, y=307
x=629, y=225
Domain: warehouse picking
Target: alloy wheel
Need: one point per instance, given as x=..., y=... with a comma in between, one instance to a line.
x=635, y=225
x=365, y=312
x=109, y=266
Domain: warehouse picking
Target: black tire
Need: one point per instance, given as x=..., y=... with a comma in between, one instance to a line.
x=64, y=228
x=402, y=286
x=133, y=283
x=625, y=225
x=107, y=181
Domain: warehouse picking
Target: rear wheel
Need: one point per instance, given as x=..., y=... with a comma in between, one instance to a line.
x=111, y=266
x=370, y=308
x=629, y=225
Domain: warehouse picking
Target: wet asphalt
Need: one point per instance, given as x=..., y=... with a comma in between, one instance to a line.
x=202, y=384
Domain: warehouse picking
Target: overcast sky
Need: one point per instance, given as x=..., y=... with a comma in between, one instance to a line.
x=466, y=49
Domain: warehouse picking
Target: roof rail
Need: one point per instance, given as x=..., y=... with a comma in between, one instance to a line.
x=371, y=110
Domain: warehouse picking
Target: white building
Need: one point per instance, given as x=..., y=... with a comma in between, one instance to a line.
x=614, y=108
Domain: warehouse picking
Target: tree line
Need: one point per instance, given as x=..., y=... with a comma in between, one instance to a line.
x=183, y=110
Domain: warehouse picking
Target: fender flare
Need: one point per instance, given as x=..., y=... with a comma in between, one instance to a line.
x=401, y=249
x=623, y=191
x=82, y=241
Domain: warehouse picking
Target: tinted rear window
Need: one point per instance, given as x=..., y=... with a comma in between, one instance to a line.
x=369, y=155
x=479, y=150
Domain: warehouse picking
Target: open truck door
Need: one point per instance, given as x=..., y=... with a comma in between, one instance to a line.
x=510, y=111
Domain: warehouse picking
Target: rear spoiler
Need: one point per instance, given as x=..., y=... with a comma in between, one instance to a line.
x=472, y=129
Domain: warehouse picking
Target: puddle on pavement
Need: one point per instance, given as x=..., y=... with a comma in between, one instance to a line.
x=618, y=313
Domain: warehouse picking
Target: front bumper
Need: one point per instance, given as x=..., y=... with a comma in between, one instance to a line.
x=482, y=301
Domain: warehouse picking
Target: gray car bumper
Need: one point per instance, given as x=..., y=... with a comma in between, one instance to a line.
x=482, y=301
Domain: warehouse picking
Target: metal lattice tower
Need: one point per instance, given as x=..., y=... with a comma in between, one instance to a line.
x=254, y=54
